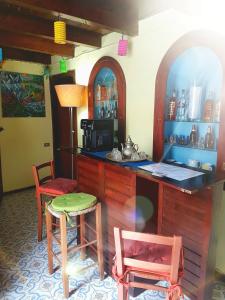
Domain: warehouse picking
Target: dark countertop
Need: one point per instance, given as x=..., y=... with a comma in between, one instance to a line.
x=189, y=186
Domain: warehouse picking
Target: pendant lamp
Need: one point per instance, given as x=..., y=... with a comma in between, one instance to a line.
x=60, y=32
x=122, y=47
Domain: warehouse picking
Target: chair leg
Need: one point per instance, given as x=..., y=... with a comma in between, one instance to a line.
x=98, y=215
x=49, y=239
x=40, y=217
x=121, y=292
x=82, y=236
x=64, y=255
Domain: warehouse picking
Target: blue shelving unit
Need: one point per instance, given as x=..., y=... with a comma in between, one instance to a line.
x=197, y=66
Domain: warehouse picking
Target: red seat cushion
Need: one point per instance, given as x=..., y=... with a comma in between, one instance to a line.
x=59, y=186
x=149, y=252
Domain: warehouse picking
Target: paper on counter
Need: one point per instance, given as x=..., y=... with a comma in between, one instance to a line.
x=170, y=171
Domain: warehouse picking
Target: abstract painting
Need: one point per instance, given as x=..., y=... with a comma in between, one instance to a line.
x=22, y=95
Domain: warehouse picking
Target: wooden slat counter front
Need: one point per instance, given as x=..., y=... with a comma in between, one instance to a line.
x=135, y=200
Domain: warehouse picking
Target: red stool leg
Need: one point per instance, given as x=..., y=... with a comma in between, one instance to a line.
x=49, y=239
x=82, y=236
x=64, y=254
x=98, y=215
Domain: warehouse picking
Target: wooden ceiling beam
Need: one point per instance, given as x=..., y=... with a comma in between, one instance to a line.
x=24, y=55
x=36, y=44
x=36, y=26
x=116, y=15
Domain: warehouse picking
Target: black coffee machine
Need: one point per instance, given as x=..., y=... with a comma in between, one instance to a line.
x=98, y=135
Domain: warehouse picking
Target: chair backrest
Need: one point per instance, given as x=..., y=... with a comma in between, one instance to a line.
x=121, y=261
x=37, y=169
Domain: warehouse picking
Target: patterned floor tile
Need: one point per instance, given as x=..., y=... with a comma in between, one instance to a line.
x=24, y=266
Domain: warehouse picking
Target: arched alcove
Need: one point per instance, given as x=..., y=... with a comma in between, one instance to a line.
x=194, y=62
x=107, y=94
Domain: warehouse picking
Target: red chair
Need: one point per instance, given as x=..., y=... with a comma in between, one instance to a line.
x=49, y=186
x=147, y=256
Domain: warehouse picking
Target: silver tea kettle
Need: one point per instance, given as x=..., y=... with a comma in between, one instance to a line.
x=128, y=148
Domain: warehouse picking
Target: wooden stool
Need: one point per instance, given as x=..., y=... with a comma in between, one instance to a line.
x=50, y=213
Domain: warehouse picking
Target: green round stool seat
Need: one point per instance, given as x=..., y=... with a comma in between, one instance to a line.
x=73, y=202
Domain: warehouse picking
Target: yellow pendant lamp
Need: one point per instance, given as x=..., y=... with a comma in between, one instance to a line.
x=60, y=32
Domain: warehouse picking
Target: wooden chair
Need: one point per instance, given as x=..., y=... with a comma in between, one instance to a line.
x=147, y=256
x=49, y=186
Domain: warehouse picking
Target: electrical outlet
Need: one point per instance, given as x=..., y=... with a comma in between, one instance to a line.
x=46, y=144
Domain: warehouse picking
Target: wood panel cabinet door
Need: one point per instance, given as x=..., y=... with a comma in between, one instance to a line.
x=90, y=176
x=107, y=95
x=190, y=216
x=120, y=204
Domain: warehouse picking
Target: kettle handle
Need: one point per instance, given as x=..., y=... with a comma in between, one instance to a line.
x=136, y=147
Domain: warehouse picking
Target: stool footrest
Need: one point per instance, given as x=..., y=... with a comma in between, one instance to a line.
x=76, y=248
x=56, y=239
x=56, y=256
x=92, y=229
x=91, y=246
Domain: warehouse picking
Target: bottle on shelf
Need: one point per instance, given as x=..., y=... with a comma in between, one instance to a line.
x=102, y=111
x=108, y=111
x=115, y=110
x=194, y=107
x=172, y=107
x=98, y=92
x=216, y=117
x=209, y=138
x=114, y=89
x=193, y=136
x=182, y=107
x=103, y=93
x=209, y=107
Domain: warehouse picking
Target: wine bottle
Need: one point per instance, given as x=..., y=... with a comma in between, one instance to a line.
x=172, y=107
x=209, y=107
x=209, y=138
x=193, y=136
x=115, y=110
x=183, y=106
x=102, y=111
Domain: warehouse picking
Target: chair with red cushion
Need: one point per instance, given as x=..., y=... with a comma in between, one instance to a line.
x=150, y=257
x=49, y=186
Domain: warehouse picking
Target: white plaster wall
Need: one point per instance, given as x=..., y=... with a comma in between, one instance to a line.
x=156, y=35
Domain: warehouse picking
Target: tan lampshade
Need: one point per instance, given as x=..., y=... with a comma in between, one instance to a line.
x=70, y=95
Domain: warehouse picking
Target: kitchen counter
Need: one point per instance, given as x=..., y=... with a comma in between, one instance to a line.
x=135, y=200
x=189, y=186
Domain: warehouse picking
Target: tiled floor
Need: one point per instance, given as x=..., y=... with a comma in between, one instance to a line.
x=23, y=261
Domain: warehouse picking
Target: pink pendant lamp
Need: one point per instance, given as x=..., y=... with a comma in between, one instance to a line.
x=122, y=47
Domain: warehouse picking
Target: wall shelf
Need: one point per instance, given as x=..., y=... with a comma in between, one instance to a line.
x=188, y=121
x=190, y=147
